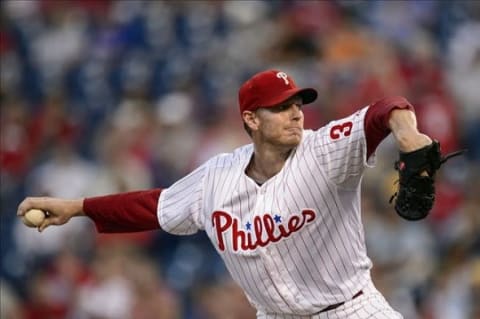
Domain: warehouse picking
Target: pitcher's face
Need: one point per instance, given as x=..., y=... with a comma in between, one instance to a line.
x=281, y=124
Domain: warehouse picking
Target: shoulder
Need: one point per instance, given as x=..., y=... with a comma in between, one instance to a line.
x=344, y=127
x=336, y=133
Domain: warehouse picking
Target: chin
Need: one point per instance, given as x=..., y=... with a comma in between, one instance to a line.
x=293, y=141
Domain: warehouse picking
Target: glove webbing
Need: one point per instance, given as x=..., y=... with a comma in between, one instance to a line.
x=430, y=171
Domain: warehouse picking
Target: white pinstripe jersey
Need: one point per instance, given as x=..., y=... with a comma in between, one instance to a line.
x=295, y=244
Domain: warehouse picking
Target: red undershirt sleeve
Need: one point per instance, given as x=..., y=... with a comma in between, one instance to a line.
x=124, y=212
x=376, y=120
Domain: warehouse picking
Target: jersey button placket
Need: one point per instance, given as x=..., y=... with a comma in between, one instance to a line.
x=259, y=211
x=282, y=277
x=260, y=202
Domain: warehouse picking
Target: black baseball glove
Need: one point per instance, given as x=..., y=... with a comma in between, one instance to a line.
x=416, y=191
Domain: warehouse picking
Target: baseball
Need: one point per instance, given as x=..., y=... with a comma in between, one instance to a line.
x=33, y=218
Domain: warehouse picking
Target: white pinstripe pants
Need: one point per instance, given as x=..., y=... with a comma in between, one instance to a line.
x=370, y=305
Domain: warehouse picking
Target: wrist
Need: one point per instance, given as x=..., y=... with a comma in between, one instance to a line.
x=403, y=125
x=411, y=141
x=77, y=208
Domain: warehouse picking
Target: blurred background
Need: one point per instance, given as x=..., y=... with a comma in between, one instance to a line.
x=100, y=97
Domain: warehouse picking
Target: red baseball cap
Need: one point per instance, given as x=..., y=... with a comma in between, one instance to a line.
x=269, y=88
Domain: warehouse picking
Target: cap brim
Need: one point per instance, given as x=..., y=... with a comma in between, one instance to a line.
x=308, y=95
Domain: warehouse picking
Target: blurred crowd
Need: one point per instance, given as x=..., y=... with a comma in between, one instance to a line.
x=100, y=97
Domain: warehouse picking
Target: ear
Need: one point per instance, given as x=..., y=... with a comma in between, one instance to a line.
x=250, y=118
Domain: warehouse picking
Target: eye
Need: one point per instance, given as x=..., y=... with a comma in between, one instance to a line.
x=279, y=108
x=286, y=106
x=299, y=104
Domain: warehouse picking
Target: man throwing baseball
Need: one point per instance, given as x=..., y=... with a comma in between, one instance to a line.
x=283, y=211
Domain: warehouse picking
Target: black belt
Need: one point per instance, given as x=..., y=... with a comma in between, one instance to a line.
x=334, y=306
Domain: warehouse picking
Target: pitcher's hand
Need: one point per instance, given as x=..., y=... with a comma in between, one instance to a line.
x=58, y=211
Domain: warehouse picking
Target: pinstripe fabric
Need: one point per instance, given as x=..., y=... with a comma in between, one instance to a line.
x=294, y=244
x=370, y=305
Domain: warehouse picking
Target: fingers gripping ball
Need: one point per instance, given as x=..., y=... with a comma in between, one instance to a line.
x=34, y=218
x=416, y=186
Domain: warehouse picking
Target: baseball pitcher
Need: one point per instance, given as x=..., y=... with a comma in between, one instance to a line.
x=284, y=211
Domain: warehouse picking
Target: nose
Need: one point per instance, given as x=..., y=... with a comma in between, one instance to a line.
x=296, y=111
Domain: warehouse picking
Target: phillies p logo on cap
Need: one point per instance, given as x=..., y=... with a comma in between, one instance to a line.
x=284, y=76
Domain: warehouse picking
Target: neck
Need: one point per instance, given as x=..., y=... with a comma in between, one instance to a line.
x=266, y=163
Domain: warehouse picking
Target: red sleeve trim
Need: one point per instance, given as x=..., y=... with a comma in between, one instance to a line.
x=376, y=120
x=124, y=212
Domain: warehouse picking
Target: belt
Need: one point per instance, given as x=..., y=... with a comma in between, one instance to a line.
x=334, y=306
